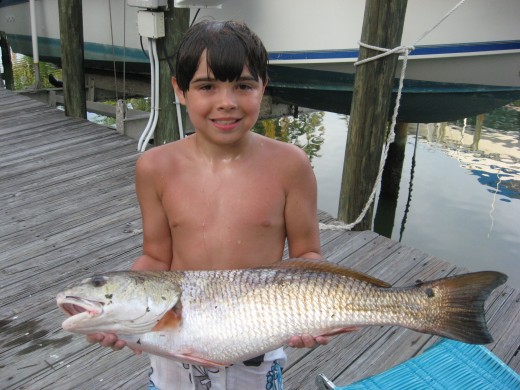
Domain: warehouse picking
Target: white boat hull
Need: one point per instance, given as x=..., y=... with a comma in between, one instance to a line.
x=476, y=50
x=478, y=44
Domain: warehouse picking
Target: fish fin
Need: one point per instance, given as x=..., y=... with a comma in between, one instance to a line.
x=327, y=266
x=462, y=299
x=170, y=320
x=337, y=331
x=191, y=359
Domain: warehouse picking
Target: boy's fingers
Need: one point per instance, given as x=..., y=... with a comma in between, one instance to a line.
x=95, y=338
x=118, y=345
x=304, y=341
x=322, y=340
x=109, y=340
x=308, y=341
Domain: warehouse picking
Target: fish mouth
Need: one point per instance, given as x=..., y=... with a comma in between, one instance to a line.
x=73, y=306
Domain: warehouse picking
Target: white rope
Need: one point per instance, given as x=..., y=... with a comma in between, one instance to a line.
x=391, y=134
x=385, y=52
x=492, y=210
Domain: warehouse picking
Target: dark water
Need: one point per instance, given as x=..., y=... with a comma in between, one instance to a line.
x=459, y=204
x=456, y=202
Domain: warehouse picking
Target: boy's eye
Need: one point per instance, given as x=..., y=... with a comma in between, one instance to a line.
x=206, y=87
x=244, y=87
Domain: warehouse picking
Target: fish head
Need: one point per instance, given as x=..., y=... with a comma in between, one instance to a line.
x=118, y=302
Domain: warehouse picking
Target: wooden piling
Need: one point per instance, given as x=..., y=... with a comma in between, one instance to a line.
x=382, y=26
x=71, y=36
x=176, y=22
x=390, y=181
x=7, y=63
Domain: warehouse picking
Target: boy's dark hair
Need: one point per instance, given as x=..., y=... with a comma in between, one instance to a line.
x=229, y=46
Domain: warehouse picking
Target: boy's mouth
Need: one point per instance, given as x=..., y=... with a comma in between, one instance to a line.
x=225, y=121
x=225, y=124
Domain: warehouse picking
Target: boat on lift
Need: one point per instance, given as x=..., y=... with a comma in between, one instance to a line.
x=467, y=65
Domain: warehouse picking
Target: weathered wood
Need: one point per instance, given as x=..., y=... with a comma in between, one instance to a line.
x=176, y=21
x=71, y=38
x=68, y=209
x=382, y=27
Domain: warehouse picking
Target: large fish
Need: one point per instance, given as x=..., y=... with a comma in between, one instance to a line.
x=217, y=318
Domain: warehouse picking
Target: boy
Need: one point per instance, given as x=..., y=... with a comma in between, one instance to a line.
x=224, y=197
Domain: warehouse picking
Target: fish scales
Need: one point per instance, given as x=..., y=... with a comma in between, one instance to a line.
x=297, y=303
x=221, y=317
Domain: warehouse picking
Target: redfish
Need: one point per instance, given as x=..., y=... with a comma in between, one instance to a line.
x=217, y=318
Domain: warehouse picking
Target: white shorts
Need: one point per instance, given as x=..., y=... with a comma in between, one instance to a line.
x=264, y=372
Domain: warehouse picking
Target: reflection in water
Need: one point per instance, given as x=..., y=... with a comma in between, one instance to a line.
x=496, y=161
x=455, y=202
x=410, y=188
x=306, y=131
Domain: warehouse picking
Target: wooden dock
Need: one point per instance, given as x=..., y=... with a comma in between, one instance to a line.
x=68, y=210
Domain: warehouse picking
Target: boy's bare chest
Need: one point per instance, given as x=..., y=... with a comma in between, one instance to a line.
x=225, y=200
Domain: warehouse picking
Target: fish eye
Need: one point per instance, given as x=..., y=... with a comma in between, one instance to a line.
x=98, y=280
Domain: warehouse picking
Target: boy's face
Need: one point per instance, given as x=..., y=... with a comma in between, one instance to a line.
x=222, y=111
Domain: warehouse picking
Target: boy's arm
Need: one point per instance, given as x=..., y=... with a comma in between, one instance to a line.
x=301, y=220
x=157, y=249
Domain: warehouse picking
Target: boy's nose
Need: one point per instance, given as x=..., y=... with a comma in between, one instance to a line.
x=227, y=100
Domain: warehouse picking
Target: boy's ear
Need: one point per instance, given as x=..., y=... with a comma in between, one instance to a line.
x=178, y=91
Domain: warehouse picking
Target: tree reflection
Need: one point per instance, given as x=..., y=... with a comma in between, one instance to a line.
x=306, y=131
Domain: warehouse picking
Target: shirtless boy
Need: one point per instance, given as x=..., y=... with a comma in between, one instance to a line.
x=223, y=197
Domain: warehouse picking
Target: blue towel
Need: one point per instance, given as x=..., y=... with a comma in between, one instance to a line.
x=446, y=365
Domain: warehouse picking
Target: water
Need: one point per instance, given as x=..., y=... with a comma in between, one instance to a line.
x=462, y=205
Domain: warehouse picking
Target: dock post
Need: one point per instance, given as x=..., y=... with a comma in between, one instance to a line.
x=382, y=27
x=71, y=36
x=389, y=193
x=176, y=22
x=7, y=63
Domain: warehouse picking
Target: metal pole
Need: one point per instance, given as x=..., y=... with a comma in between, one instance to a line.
x=36, y=56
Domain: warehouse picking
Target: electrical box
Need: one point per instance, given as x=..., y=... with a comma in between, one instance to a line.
x=198, y=3
x=150, y=24
x=150, y=4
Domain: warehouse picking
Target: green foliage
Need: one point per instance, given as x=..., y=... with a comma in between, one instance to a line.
x=23, y=70
x=306, y=131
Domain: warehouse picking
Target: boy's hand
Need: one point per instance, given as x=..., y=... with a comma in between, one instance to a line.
x=307, y=341
x=109, y=340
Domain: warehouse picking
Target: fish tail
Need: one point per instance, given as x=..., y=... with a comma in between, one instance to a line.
x=461, y=305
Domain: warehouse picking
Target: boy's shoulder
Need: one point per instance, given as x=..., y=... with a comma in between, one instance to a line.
x=163, y=155
x=282, y=149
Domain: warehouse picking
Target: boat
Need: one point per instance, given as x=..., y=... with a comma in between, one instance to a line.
x=467, y=65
